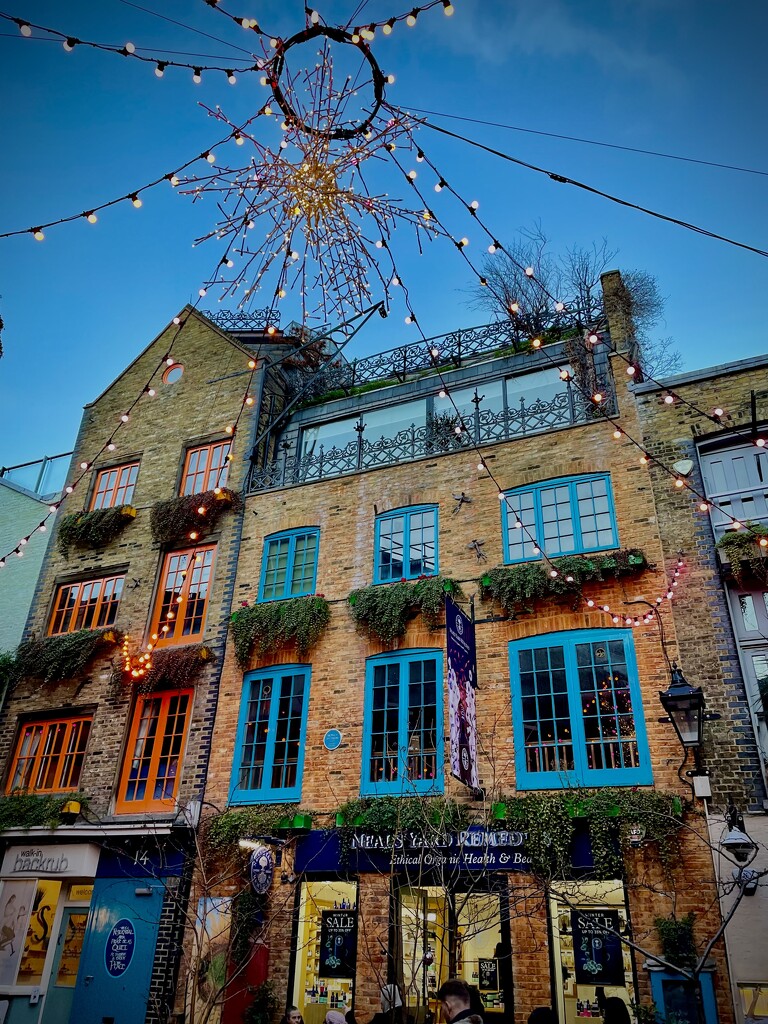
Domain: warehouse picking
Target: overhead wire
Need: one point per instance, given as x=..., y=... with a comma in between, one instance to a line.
x=592, y=142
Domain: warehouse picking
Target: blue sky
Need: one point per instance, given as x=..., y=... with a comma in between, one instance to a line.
x=680, y=76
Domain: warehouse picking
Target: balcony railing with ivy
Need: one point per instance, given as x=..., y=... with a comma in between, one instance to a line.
x=484, y=427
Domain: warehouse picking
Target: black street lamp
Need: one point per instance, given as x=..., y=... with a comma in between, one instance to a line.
x=684, y=705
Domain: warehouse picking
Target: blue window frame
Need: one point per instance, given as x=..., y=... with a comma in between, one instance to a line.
x=289, y=564
x=577, y=711
x=269, y=749
x=405, y=544
x=561, y=517
x=403, y=724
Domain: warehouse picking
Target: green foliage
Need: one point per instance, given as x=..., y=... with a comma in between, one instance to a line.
x=263, y=1006
x=25, y=810
x=441, y=432
x=9, y=672
x=175, y=519
x=221, y=833
x=384, y=609
x=548, y=818
x=518, y=587
x=269, y=625
x=678, y=945
x=391, y=815
x=741, y=549
x=62, y=657
x=93, y=529
x=176, y=667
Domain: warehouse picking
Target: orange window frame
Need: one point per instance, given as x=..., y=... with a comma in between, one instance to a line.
x=49, y=755
x=205, y=467
x=184, y=590
x=87, y=604
x=115, y=485
x=149, y=780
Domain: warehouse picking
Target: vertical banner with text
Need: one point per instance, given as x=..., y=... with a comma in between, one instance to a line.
x=462, y=680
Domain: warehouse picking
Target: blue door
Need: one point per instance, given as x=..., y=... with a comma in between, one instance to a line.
x=118, y=952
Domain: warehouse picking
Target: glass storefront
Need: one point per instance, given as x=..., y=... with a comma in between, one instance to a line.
x=446, y=933
x=588, y=919
x=326, y=949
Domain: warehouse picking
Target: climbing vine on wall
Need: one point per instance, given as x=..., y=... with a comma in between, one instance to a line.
x=176, y=519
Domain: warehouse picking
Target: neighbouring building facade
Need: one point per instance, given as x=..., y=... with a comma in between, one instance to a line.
x=237, y=712
x=26, y=491
x=94, y=892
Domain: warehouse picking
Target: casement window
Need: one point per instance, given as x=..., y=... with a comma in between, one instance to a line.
x=205, y=468
x=736, y=482
x=269, y=750
x=153, y=757
x=289, y=564
x=560, y=517
x=89, y=604
x=114, y=486
x=49, y=756
x=405, y=544
x=182, y=598
x=577, y=711
x=403, y=724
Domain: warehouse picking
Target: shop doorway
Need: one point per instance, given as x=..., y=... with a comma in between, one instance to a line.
x=325, y=949
x=66, y=962
x=588, y=920
x=447, y=933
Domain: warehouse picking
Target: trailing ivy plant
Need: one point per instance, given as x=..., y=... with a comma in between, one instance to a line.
x=741, y=549
x=518, y=587
x=268, y=626
x=177, y=518
x=221, y=832
x=26, y=810
x=176, y=667
x=94, y=529
x=611, y=815
x=62, y=657
x=384, y=609
x=390, y=815
x=678, y=945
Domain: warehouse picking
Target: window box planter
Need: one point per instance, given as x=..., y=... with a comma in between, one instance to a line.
x=94, y=529
x=176, y=519
x=581, y=808
x=295, y=823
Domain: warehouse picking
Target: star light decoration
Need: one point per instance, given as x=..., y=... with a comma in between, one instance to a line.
x=303, y=216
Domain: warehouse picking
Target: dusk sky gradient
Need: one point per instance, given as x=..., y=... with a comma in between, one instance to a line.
x=680, y=76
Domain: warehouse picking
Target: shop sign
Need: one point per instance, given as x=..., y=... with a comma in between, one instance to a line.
x=597, y=949
x=50, y=861
x=118, y=951
x=488, y=975
x=474, y=849
x=82, y=893
x=462, y=681
x=338, y=943
x=262, y=869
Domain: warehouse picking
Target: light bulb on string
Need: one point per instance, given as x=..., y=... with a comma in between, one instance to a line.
x=410, y=21
x=197, y=76
x=38, y=235
x=231, y=78
x=24, y=28
x=160, y=69
x=529, y=272
x=669, y=399
x=69, y=44
x=91, y=217
x=135, y=200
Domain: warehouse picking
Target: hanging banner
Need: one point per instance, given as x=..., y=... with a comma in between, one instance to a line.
x=462, y=680
x=338, y=944
x=597, y=947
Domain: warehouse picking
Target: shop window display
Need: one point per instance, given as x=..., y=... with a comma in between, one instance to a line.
x=326, y=949
x=588, y=921
x=450, y=934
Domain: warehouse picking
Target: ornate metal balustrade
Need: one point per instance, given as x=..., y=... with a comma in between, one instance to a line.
x=486, y=426
x=236, y=320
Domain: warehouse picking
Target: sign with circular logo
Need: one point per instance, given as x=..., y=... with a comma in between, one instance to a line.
x=262, y=869
x=118, y=951
x=332, y=739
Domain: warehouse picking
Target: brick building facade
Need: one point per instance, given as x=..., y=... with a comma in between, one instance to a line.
x=347, y=475
x=544, y=881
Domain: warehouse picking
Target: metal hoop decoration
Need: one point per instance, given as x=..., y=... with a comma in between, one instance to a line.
x=338, y=35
